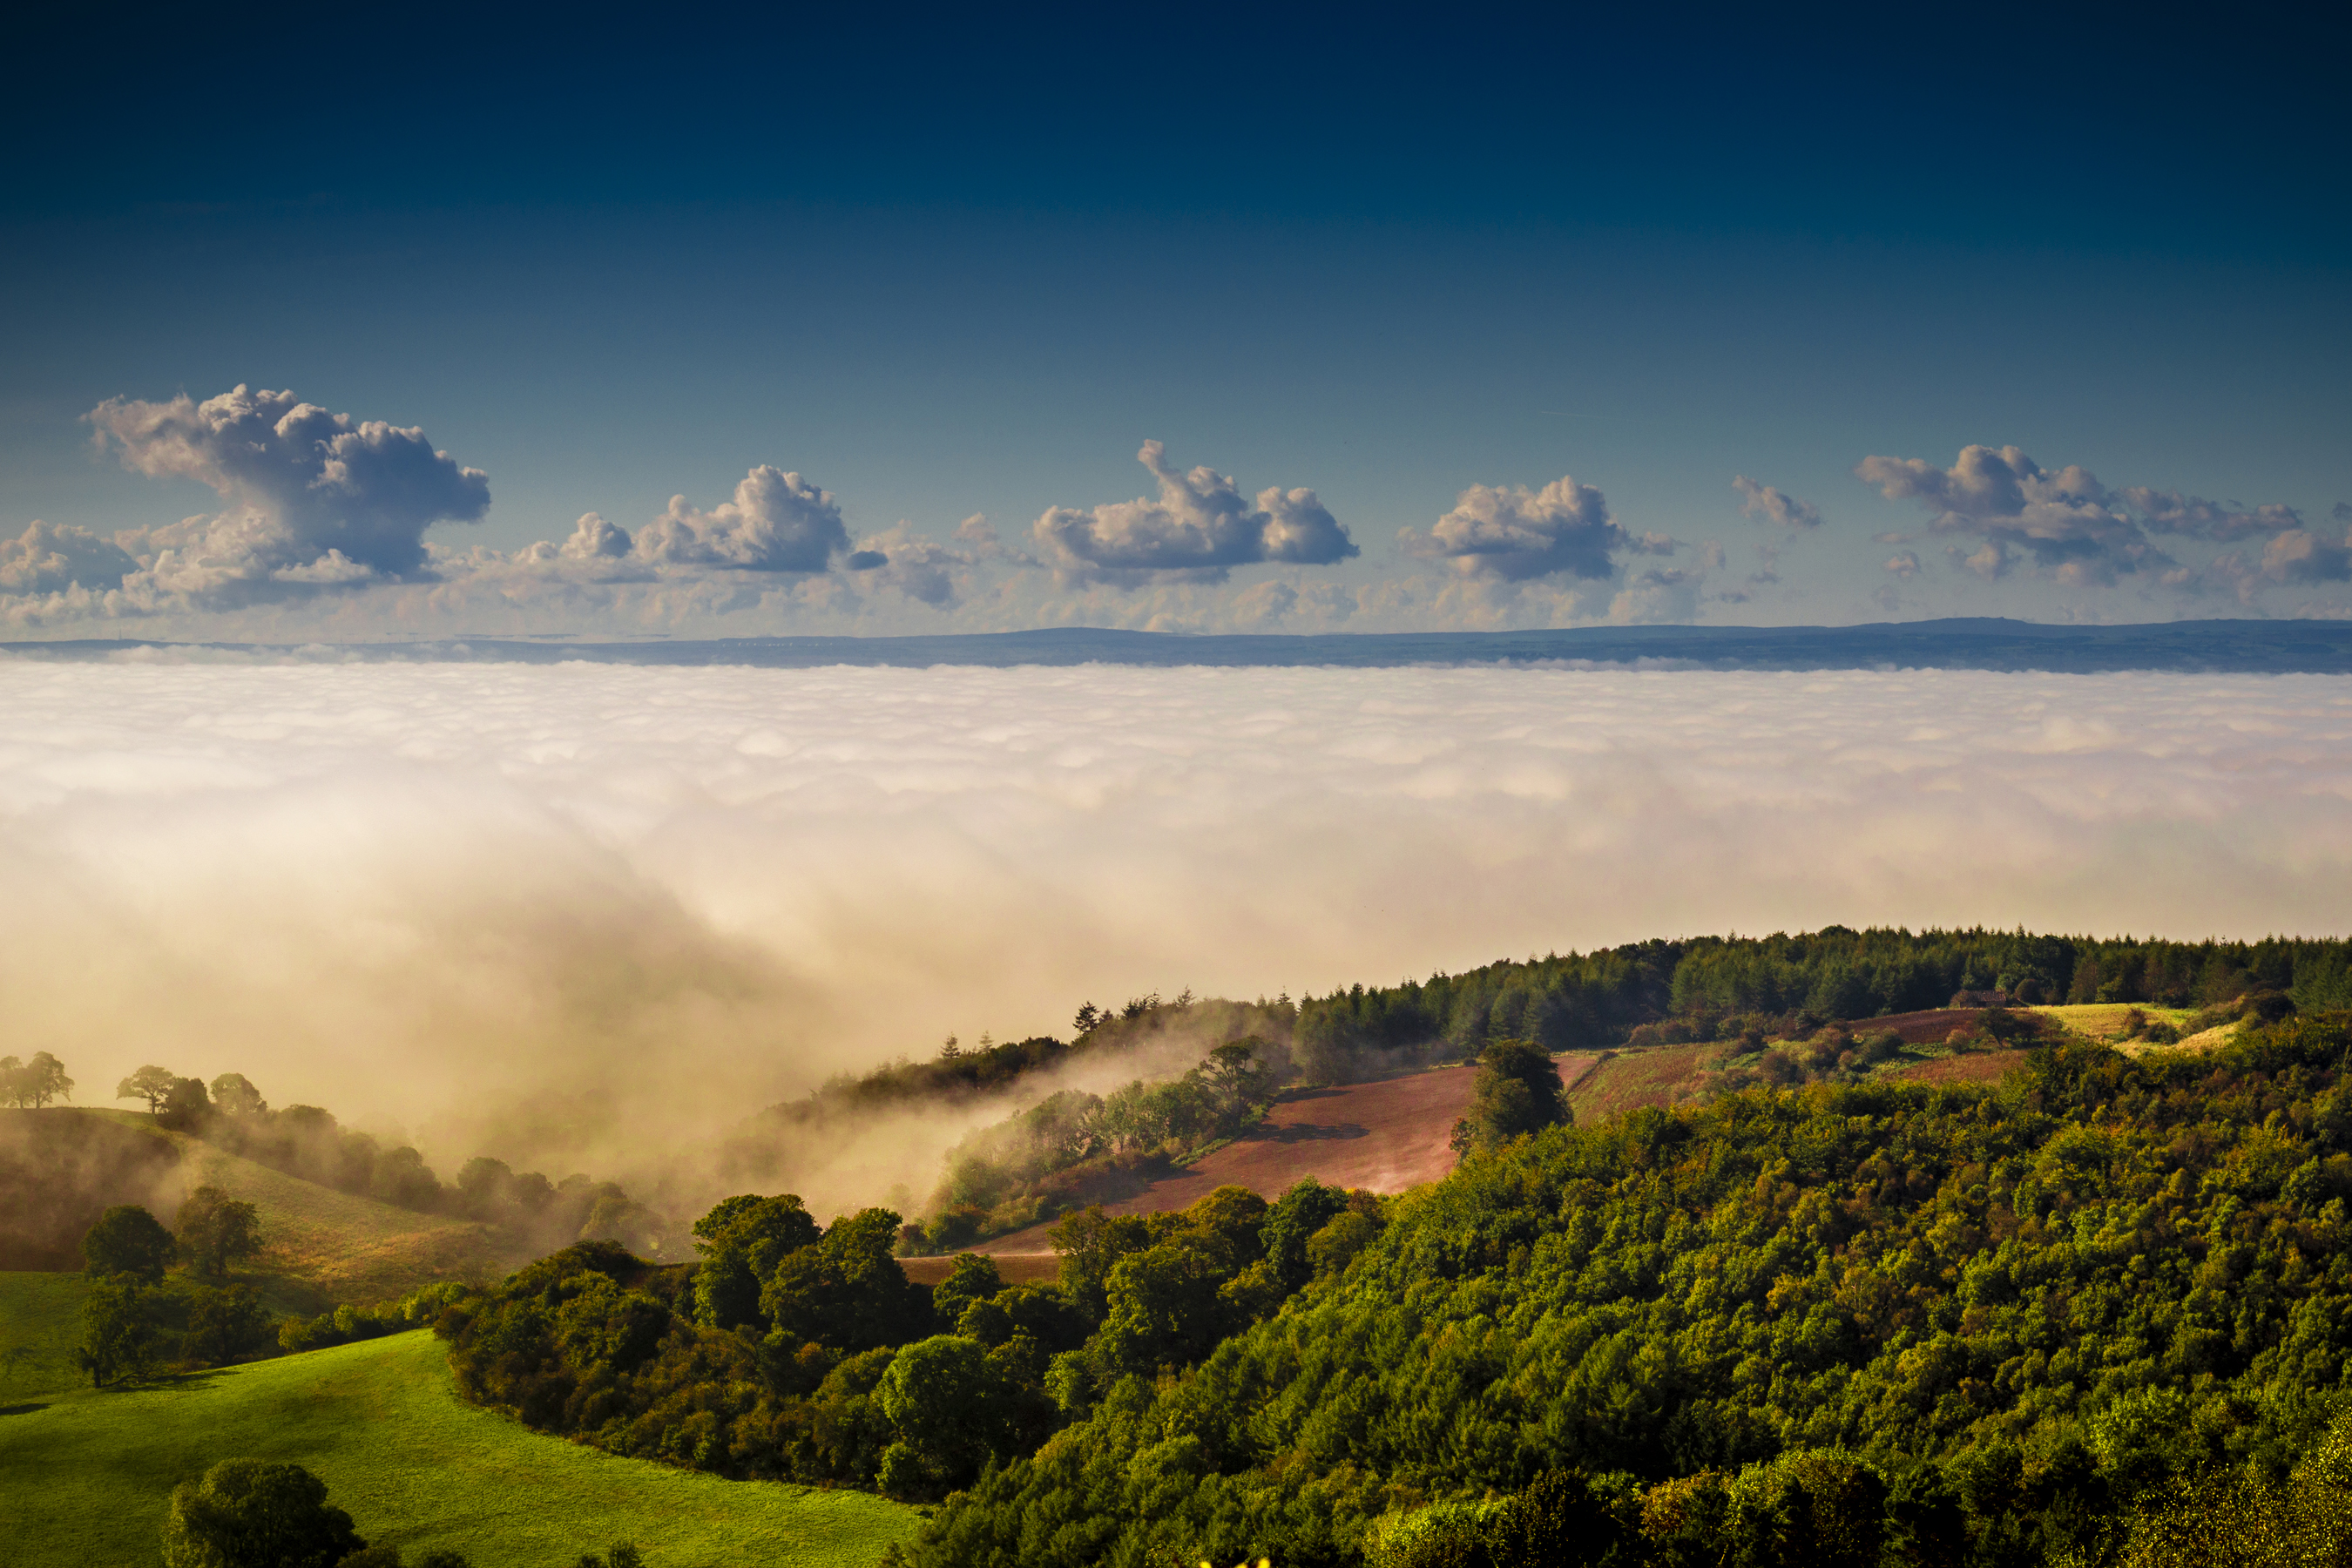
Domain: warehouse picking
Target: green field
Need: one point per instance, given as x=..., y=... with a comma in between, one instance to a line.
x=88, y=1473
x=41, y=1314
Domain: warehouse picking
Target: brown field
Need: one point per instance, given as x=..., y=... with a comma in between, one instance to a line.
x=1386, y=1135
x=1629, y=1080
x=1972, y=1067
x=1931, y=1027
x=1017, y=1268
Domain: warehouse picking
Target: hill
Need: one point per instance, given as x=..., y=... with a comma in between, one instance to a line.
x=88, y=1473
x=319, y=1245
x=1384, y=1136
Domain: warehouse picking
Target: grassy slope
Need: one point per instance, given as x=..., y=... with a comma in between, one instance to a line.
x=1647, y=1076
x=42, y=1313
x=330, y=1246
x=87, y=1475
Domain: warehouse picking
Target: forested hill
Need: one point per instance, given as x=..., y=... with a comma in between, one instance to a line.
x=1699, y=988
x=2100, y=1315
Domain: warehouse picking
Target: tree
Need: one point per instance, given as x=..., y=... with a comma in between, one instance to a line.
x=127, y=1240
x=1236, y=1078
x=234, y=1093
x=119, y=1337
x=941, y=1395
x=216, y=1229
x=743, y=1240
x=225, y=1324
x=187, y=1106
x=1517, y=1091
x=848, y=1291
x=33, y=1084
x=150, y=1083
x=246, y=1513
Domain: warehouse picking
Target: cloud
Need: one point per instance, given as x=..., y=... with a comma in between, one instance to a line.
x=2170, y=511
x=1200, y=527
x=2066, y=521
x=1515, y=534
x=648, y=899
x=1903, y=564
x=778, y=521
x=312, y=496
x=1769, y=505
x=50, y=558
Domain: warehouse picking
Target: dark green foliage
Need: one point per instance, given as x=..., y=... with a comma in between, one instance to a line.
x=120, y=1341
x=186, y=1107
x=215, y=1230
x=223, y=1324
x=353, y=1322
x=972, y=1279
x=1291, y=1222
x=1957, y=1325
x=741, y=1242
x=1517, y=1091
x=127, y=1240
x=845, y=1292
x=246, y=1513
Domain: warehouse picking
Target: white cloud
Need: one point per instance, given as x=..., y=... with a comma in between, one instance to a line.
x=1515, y=534
x=1769, y=505
x=1200, y=528
x=778, y=521
x=2066, y=521
x=1903, y=564
x=50, y=558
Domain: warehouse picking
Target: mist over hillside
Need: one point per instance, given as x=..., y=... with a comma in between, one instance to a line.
x=576, y=916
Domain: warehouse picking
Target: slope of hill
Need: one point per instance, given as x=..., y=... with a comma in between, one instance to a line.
x=1385, y=1135
x=88, y=1474
x=319, y=1245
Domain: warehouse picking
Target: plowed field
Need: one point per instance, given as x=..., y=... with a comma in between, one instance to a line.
x=1387, y=1136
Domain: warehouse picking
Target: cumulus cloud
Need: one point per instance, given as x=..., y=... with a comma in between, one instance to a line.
x=778, y=521
x=1200, y=528
x=303, y=487
x=660, y=896
x=50, y=558
x=1515, y=534
x=1769, y=505
x=2170, y=511
x=2066, y=521
x=1903, y=564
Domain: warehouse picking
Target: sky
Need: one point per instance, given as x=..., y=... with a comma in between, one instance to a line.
x=599, y=322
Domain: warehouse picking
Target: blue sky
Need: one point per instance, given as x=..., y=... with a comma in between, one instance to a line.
x=953, y=267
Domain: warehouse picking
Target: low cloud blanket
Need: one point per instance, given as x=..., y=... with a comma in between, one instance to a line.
x=557, y=909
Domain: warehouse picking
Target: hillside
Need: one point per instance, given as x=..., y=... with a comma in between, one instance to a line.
x=88, y=1473
x=321, y=1246
x=1387, y=1135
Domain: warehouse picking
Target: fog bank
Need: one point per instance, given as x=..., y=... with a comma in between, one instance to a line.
x=566, y=911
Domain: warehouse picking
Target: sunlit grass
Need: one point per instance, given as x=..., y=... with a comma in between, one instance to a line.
x=88, y=1473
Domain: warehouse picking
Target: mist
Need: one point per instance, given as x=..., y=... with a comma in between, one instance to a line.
x=589, y=917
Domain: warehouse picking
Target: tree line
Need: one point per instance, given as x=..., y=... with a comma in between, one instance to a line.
x=1792, y=985
x=307, y=1141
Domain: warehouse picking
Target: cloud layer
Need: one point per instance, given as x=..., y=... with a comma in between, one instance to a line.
x=516, y=906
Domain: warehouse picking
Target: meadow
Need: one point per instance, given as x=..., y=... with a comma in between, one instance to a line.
x=90, y=1472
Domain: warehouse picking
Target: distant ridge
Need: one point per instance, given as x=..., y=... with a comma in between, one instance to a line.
x=2234, y=647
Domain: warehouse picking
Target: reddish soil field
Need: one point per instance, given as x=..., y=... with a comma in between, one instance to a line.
x=1387, y=1136
x=1975, y=1067
x=1931, y=1027
x=1647, y=1076
x=1018, y=1268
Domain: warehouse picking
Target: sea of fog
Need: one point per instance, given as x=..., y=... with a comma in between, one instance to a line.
x=571, y=913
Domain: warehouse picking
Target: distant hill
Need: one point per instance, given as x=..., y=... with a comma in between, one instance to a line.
x=1961, y=643
x=63, y=1166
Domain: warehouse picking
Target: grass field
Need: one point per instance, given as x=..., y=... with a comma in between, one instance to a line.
x=323, y=1246
x=87, y=1474
x=40, y=1313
